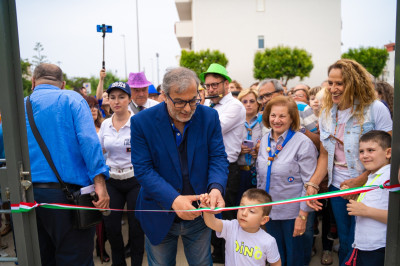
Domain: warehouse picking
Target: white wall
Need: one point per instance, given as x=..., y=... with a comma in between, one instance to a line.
x=233, y=26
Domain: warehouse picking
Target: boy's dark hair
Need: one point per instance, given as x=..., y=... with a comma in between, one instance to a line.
x=259, y=195
x=381, y=137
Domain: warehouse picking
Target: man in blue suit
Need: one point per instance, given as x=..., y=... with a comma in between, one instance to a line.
x=177, y=153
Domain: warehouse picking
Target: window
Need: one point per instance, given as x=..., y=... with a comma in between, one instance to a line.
x=260, y=42
x=260, y=5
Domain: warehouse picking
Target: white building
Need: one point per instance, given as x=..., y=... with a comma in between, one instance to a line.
x=240, y=28
x=388, y=71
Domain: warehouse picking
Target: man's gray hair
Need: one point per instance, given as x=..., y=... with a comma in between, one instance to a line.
x=275, y=82
x=179, y=77
x=48, y=72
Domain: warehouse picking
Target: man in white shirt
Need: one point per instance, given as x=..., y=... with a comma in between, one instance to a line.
x=140, y=92
x=232, y=116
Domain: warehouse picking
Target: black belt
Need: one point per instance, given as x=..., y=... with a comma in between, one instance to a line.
x=55, y=186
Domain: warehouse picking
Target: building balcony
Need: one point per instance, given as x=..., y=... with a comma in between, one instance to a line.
x=184, y=33
x=184, y=8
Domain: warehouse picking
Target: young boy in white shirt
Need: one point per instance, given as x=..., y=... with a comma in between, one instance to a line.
x=371, y=208
x=246, y=242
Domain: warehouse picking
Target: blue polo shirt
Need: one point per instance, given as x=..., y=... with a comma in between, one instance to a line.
x=65, y=122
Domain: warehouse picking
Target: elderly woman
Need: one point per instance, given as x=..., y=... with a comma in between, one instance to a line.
x=350, y=109
x=286, y=160
x=252, y=132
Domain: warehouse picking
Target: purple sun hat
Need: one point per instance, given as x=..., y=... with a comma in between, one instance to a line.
x=138, y=80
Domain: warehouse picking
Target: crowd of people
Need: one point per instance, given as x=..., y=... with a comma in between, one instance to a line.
x=205, y=141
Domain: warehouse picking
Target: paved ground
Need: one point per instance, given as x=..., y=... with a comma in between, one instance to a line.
x=181, y=260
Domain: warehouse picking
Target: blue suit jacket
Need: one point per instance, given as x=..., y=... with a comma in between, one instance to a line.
x=157, y=167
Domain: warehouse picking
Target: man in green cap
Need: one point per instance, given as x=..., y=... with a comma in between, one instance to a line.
x=232, y=116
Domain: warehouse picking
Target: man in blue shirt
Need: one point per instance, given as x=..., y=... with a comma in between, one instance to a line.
x=177, y=153
x=65, y=122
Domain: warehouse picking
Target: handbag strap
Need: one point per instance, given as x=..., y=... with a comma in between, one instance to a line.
x=45, y=150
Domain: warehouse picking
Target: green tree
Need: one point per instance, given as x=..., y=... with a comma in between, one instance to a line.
x=282, y=62
x=39, y=58
x=26, y=81
x=373, y=59
x=77, y=82
x=200, y=61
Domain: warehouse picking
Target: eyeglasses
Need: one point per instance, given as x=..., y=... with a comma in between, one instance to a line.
x=298, y=95
x=181, y=103
x=266, y=95
x=213, y=85
x=248, y=101
x=94, y=106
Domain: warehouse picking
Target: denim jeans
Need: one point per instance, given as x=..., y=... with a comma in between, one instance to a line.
x=196, y=237
x=309, y=237
x=345, y=225
x=290, y=248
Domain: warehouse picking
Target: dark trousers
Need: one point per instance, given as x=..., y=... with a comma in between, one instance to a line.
x=326, y=225
x=290, y=248
x=367, y=258
x=61, y=244
x=121, y=192
x=231, y=192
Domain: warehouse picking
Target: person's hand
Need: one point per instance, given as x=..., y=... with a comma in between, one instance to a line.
x=350, y=183
x=356, y=208
x=103, y=74
x=204, y=200
x=254, y=153
x=216, y=199
x=314, y=204
x=299, y=227
x=257, y=148
x=101, y=191
x=185, y=203
x=245, y=149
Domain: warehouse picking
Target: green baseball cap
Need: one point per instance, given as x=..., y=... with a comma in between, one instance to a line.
x=215, y=69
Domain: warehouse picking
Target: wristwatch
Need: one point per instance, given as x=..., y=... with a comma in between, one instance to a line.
x=303, y=130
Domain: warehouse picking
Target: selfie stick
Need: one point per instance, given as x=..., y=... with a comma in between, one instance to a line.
x=104, y=37
x=104, y=28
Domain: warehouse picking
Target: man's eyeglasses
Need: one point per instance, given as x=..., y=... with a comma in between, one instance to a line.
x=248, y=101
x=266, y=95
x=182, y=103
x=301, y=95
x=213, y=85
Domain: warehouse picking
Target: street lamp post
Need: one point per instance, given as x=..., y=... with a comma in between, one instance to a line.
x=137, y=31
x=126, y=74
x=158, y=70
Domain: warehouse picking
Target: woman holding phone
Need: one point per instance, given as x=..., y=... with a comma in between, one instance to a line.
x=252, y=132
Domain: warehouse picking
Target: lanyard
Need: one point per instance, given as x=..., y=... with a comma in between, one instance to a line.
x=271, y=157
x=249, y=135
x=362, y=195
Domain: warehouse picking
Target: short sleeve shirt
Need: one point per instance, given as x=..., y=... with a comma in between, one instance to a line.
x=116, y=143
x=243, y=248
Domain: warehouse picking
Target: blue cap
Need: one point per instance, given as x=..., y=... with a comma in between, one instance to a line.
x=120, y=85
x=152, y=89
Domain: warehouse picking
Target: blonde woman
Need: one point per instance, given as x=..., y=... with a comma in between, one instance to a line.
x=349, y=110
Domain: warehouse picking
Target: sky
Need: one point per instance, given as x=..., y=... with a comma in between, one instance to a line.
x=67, y=31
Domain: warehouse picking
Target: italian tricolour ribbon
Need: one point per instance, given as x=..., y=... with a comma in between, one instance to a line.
x=26, y=206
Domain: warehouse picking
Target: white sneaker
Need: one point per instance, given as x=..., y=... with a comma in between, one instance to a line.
x=3, y=253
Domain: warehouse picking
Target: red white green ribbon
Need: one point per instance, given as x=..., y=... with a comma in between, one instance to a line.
x=26, y=206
